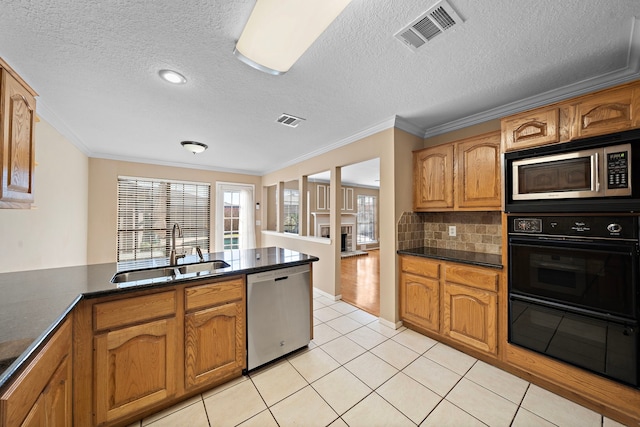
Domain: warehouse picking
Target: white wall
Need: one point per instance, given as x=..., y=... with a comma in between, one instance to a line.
x=54, y=232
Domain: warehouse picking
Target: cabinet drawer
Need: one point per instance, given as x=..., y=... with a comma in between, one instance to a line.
x=474, y=277
x=213, y=293
x=421, y=267
x=127, y=311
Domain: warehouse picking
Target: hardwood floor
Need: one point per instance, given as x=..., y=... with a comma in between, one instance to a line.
x=361, y=281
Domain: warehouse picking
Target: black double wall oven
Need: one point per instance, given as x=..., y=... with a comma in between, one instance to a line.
x=574, y=261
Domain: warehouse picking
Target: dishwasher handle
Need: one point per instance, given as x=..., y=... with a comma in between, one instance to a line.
x=282, y=278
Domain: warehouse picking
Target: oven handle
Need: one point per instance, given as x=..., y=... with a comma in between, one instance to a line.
x=620, y=247
x=597, y=174
x=615, y=318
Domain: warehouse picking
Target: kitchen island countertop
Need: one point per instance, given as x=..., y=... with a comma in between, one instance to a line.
x=34, y=302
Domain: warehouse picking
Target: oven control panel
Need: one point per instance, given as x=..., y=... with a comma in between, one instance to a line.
x=602, y=227
x=527, y=225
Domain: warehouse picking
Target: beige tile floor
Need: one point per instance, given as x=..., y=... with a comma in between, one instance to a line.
x=357, y=372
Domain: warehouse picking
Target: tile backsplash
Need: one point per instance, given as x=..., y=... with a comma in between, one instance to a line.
x=475, y=231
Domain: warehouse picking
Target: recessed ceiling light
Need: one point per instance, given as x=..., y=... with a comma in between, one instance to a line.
x=172, y=77
x=194, y=146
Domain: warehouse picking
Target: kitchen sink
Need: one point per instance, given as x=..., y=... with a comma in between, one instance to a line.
x=135, y=275
x=160, y=272
x=202, y=266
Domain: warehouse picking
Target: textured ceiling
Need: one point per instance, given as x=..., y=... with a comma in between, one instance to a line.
x=95, y=64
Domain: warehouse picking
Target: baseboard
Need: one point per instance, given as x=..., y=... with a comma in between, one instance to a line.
x=327, y=295
x=389, y=324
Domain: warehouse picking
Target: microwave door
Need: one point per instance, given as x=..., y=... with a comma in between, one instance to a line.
x=562, y=176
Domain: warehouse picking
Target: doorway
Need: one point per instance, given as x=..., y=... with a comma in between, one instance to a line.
x=235, y=218
x=360, y=260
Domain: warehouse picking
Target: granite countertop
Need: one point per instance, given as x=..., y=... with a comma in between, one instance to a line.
x=473, y=258
x=34, y=302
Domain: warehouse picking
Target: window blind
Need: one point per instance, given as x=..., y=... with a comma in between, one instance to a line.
x=147, y=210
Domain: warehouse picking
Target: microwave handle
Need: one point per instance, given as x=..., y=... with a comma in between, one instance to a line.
x=597, y=174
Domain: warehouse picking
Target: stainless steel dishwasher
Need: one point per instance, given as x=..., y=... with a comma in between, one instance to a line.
x=278, y=313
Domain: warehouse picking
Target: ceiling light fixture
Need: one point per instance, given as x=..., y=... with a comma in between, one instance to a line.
x=278, y=32
x=172, y=77
x=194, y=146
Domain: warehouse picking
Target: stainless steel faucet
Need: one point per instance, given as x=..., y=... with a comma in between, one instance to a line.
x=173, y=258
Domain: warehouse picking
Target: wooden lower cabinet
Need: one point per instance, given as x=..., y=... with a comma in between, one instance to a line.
x=214, y=336
x=470, y=316
x=42, y=394
x=453, y=300
x=151, y=349
x=420, y=301
x=135, y=368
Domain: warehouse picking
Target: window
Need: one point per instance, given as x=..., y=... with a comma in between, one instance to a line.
x=147, y=210
x=231, y=215
x=291, y=204
x=366, y=219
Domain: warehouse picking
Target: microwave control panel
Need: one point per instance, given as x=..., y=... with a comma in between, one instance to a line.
x=618, y=170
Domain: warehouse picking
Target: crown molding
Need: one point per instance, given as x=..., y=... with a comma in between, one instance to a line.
x=172, y=164
x=407, y=126
x=384, y=125
x=58, y=124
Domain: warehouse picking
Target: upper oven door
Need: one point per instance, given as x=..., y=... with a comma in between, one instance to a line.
x=566, y=176
x=598, y=277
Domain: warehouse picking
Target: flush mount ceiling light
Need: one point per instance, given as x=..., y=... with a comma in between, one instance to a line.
x=172, y=77
x=278, y=32
x=194, y=146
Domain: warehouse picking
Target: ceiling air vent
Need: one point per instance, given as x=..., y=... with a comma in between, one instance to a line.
x=438, y=19
x=289, y=120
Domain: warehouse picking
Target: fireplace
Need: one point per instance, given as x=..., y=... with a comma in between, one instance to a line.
x=347, y=230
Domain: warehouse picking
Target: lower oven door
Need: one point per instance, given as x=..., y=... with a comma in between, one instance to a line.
x=595, y=276
x=602, y=346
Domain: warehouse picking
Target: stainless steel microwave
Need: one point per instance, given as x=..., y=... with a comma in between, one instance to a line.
x=596, y=175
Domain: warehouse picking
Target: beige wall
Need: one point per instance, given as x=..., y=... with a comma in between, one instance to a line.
x=394, y=148
x=54, y=232
x=103, y=176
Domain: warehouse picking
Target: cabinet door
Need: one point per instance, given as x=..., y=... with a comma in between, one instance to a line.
x=419, y=301
x=41, y=394
x=478, y=173
x=433, y=178
x=135, y=368
x=531, y=129
x=37, y=416
x=18, y=143
x=607, y=112
x=214, y=344
x=58, y=396
x=470, y=316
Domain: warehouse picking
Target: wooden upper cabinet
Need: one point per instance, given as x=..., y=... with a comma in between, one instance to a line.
x=608, y=111
x=433, y=178
x=17, y=144
x=462, y=175
x=547, y=125
x=478, y=172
